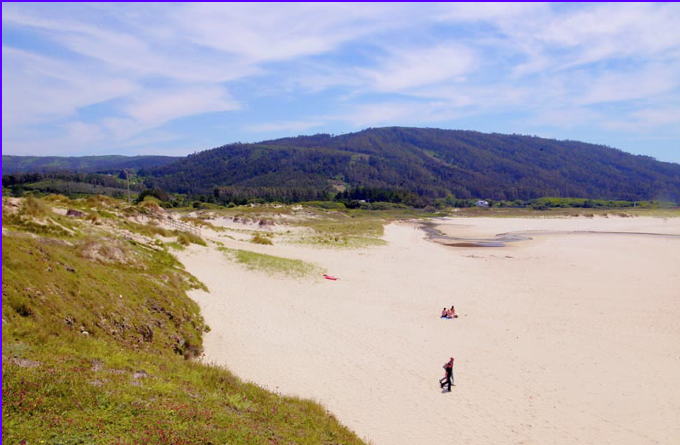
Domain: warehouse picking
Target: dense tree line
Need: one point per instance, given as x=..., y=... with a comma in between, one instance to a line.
x=81, y=164
x=245, y=195
x=69, y=184
x=87, y=178
x=430, y=163
x=368, y=194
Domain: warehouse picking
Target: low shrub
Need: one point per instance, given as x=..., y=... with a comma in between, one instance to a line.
x=186, y=238
x=260, y=238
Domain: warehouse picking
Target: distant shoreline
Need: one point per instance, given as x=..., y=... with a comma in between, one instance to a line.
x=434, y=234
x=439, y=237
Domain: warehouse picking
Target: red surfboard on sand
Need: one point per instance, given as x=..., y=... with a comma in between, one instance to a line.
x=329, y=277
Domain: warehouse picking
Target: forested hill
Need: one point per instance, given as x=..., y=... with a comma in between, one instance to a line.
x=81, y=164
x=432, y=163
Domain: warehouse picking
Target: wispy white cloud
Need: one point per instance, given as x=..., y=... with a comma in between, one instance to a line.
x=412, y=67
x=37, y=88
x=620, y=86
x=96, y=74
x=131, y=50
x=265, y=33
x=160, y=106
x=600, y=32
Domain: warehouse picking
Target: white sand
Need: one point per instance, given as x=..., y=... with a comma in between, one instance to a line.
x=565, y=339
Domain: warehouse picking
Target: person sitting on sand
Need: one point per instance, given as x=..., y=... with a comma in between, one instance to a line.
x=452, y=312
x=445, y=313
x=448, y=377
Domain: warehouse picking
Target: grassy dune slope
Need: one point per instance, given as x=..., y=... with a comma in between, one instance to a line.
x=98, y=334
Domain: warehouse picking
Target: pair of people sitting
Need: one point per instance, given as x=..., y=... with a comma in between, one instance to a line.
x=449, y=313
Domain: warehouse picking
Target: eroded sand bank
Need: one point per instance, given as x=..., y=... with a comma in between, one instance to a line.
x=561, y=339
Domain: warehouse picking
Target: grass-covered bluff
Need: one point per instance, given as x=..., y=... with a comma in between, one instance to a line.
x=98, y=333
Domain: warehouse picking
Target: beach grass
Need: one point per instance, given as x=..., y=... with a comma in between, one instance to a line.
x=336, y=229
x=200, y=222
x=262, y=238
x=151, y=230
x=175, y=245
x=251, y=211
x=272, y=264
x=186, y=238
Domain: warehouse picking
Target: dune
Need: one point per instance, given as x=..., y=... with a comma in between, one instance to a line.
x=565, y=338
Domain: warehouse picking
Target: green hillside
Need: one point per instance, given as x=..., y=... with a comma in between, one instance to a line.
x=414, y=165
x=431, y=163
x=83, y=164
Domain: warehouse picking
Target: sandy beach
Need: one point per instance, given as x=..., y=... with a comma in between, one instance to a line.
x=572, y=337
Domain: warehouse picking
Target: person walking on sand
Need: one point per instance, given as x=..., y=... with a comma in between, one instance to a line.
x=447, y=380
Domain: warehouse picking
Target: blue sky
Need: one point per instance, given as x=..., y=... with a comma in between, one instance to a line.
x=173, y=79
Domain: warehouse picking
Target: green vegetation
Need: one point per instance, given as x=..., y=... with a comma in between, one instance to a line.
x=98, y=337
x=156, y=195
x=201, y=223
x=84, y=164
x=357, y=226
x=549, y=203
x=376, y=169
x=71, y=184
x=416, y=167
x=328, y=205
x=256, y=210
x=331, y=226
x=35, y=216
x=88, y=392
x=149, y=230
x=175, y=246
x=261, y=238
x=99, y=286
x=346, y=229
x=148, y=202
x=186, y=238
x=35, y=208
x=271, y=263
